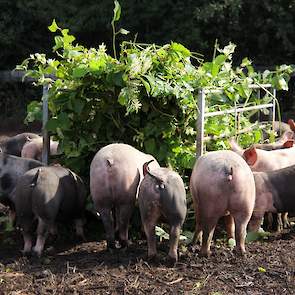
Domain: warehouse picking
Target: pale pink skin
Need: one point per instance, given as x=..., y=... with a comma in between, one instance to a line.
x=33, y=148
x=272, y=160
x=264, y=161
x=115, y=174
x=162, y=196
x=216, y=193
x=263, y=202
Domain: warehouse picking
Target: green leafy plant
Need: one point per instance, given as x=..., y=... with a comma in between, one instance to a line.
x=146, y=96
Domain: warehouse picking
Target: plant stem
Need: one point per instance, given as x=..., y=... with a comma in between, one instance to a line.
x=114, y=40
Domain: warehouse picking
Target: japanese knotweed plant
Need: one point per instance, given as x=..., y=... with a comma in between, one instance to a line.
x=146, y=96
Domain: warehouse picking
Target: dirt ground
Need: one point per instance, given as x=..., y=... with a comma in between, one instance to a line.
x=87, y=268
x=69, y=267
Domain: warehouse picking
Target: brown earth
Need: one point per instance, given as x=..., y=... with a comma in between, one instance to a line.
x=87, y=268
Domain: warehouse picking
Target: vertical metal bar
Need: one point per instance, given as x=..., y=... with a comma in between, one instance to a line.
x=274, y=109
x=259, y=112
x=46, y=140
x=200, y=123
x=236, y=120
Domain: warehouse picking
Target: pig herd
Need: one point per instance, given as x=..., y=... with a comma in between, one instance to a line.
x=241, y=185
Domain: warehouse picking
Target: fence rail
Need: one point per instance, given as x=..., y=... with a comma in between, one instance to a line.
x=200, y=139
x=14, y=76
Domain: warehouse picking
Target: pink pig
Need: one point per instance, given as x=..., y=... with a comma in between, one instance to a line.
x=33, y=148
x=222, y=183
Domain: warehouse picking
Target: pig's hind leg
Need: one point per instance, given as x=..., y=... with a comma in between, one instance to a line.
x=241, y=221
x=208, y=225
x=42, y=232
x=79, y=222
x=124, y=214
x=27, y=243
x=173, y=241
x=286, y=222
x=108, y=222
x=197, y=238
x=149, y=221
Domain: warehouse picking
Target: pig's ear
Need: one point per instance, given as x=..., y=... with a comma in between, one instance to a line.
x=289, y=143
x=145, y=167
x=287, y=135
x=291, y=124
x=250, y=155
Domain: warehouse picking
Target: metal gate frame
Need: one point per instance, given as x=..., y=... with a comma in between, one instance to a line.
x=200, y=140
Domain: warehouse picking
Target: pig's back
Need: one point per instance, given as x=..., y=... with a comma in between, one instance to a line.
x=116, y=170
x=223, y=176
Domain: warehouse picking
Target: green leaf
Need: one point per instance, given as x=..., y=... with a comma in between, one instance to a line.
x=78, y=105
x=53, y=27
x=146, y=86
x=150, y=146
x=59, y=42
x=219, y=59
x=181, y=49
x=261, y=269
x=161, y=233
x=123, y=32
x=62, y=121
x=117, y=11
x=80, y=72
x=52, y=124
x=282, y=84
x=34, y=112
x=116, y=79
x=122, y=99
x=68, y=39
x=65, y=32
x=231, y=243
x=96, y=64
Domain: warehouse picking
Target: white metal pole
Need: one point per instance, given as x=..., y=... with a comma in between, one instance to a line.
x=200, y=123
x=46, y=140
x=274, y=109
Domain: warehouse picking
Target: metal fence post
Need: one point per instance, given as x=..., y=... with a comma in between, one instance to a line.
x=200, y=123
x=46, y=139
x=274, y=108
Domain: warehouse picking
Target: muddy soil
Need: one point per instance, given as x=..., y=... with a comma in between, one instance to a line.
x=87, y=268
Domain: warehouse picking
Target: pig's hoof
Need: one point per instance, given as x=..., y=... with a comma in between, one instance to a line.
x=240, y=253
x=37, y=254
x=26, y=253
x=81, y=238
x=152, y=258
x=125, y=244
x=111, y=246
x=287, y=225
x=170, y=261
x=205, y=254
